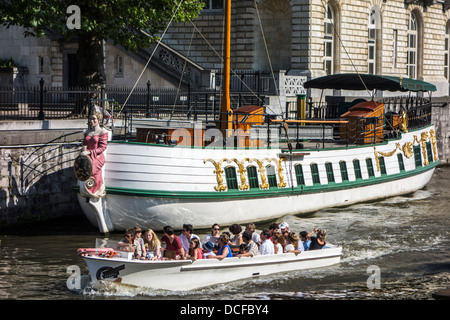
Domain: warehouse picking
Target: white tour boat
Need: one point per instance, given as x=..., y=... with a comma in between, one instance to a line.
x=181, y=275
x=190, y=174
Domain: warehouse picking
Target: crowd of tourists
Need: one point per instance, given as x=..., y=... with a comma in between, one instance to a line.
x=235, y=242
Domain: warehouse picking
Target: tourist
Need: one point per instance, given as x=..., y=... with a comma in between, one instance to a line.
x=278, y=241
x=266, y=245
x=295, y=245
x=251, y=246
x=304, y=238
x=152, y=245
x=250, y=227
x=195, y=252
x=207, y=249
x=273, y=228
x=224, y=249
x=186, y=236
x=140, y=247
x=284, y=229
x=173, y=242
x=242, y=248
x=214, y=236
x=127, y=243
x=318, y=242
x=95, y=143
x=236, y=240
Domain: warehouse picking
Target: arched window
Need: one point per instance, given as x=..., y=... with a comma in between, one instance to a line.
x=344, y=173
x=372, y=43
x=328, y=41
x=299, y=175
x=329, y=171
x=315, y=173
x=230, y=174
x=271, y=176
x=412, y=46
x=252, y=177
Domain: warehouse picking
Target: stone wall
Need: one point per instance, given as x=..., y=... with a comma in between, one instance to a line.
x=441, y=119
x=36, y=170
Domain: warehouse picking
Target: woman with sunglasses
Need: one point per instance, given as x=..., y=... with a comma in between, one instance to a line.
x=214, y=236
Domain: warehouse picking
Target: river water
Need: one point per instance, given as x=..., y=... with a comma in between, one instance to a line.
x=405, y=240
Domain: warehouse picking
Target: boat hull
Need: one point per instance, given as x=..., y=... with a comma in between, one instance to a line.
x=187, y=275
x=153, y=186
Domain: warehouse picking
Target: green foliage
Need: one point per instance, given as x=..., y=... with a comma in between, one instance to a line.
x=118, y=20
x=7, y=64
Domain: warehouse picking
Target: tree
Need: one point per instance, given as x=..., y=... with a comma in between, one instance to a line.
x=120, y=21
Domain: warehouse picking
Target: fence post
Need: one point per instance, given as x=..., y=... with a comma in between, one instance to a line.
x=41, y=115
x=148, y=98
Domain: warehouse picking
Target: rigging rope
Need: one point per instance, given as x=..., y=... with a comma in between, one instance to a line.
x=324, y=5
x=151, y=56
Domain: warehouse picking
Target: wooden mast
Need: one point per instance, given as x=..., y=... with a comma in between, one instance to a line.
x=225, y=110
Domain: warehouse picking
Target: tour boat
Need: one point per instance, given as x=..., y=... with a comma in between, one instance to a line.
x=252, y=167
x=181, y=275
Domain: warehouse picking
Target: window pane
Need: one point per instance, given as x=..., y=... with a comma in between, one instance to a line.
x=253, y=177
x=328, y=49
x=271, y=176
x=343, y=167
x=216, y=4
x=429, y=152
x=400, y=162
x=357, y=168
x=230, y=174
x=371, y=52
x=329, y=169
x=299, y=175
x=417, y=156
x=315, y=173
x=370, y=167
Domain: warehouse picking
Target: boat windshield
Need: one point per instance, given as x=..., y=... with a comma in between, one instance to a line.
x=105, y=243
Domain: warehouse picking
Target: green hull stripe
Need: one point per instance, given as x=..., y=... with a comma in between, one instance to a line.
x=271, y=192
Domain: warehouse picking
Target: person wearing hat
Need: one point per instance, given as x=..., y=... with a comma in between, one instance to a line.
x=207, y=249
x=284, y=228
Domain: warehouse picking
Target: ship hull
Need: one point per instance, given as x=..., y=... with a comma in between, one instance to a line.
x=153, y=186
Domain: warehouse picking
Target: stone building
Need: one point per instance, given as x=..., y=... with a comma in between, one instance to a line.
x=303, y=38
x=317, y=37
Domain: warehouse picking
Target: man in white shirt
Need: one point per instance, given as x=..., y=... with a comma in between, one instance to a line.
x=186, y=236
x=266, y=245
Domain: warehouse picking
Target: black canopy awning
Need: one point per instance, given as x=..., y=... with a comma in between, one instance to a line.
x=353, y=81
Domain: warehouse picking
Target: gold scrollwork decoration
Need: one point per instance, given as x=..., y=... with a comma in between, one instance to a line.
x=262, y=171
x=408, y=149
x=218, y=171
x=424, y=137
x=244, y=185
x=278, y=161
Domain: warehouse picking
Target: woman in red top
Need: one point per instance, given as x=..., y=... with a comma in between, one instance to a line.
x=194, y=249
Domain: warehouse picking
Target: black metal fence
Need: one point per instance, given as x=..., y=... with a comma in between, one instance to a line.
x=43, y=102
